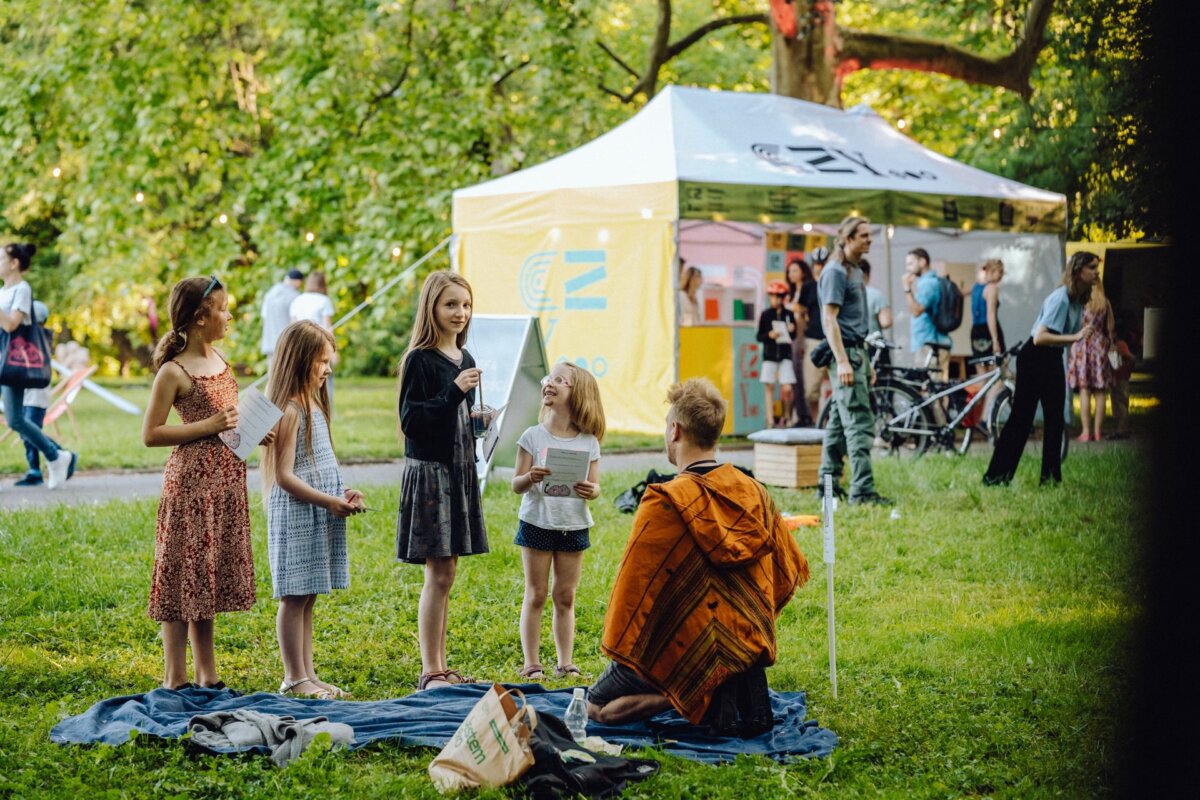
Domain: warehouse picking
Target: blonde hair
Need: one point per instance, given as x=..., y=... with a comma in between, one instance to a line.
x=426, y=333
x=587, y=412
x=293, y=380
x=188, y=302
x=992, y=266
x=1097, y=302
x=699, y=409
x=845, y=230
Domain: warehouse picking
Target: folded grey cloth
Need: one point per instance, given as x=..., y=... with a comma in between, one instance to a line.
x=285, y=736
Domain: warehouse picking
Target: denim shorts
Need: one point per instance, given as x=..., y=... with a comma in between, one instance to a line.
x=535, y=538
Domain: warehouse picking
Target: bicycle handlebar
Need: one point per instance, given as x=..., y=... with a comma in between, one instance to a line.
x=994, y=357
x=877, y=341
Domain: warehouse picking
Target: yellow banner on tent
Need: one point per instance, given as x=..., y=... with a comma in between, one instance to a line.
x=604, y=297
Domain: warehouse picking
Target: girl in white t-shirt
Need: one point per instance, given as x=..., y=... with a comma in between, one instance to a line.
x=16, y=309
x=553, y=523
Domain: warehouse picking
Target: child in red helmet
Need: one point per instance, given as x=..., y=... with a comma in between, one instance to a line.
x=776, y=328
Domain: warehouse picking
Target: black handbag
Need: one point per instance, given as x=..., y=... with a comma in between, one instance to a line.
x=26, y=357
x=627, y=501
x=821, y=355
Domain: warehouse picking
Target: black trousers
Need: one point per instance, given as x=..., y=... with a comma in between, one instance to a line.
x=1040, y=379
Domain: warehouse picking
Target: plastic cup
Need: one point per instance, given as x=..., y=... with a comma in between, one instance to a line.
x=481, y=417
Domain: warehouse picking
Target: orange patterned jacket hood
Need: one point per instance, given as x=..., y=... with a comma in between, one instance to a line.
x=706, y=571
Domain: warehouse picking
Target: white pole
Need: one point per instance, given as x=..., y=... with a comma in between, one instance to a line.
x=828, y=506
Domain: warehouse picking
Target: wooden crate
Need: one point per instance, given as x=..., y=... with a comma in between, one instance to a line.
x=790, y=465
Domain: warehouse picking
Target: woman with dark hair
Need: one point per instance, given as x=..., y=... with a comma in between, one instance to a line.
x=16, y=309
x=1041, y=375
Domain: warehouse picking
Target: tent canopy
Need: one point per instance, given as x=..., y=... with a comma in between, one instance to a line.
x=588, y=241
x=700, y=154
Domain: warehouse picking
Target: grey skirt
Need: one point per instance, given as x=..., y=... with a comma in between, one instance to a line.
x=441, y=513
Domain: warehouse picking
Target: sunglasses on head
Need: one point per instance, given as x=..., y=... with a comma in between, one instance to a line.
x=213, y=284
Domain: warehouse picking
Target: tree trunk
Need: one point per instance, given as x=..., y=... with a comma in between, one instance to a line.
x=805, y=68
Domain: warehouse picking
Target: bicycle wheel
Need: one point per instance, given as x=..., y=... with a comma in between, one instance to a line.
x=1000, y=412
x=903, y=427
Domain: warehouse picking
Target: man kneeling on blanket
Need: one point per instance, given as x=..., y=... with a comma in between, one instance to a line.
x=706, y=572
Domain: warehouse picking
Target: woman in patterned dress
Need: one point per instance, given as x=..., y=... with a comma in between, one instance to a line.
x=202, y=557
x=1088, y=368
x=308, y=505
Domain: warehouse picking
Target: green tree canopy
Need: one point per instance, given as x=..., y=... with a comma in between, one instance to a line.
x=144, y=142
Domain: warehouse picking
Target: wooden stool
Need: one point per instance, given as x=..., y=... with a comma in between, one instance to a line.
x=793, y=462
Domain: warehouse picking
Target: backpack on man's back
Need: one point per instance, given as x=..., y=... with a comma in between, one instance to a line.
x=947, y=315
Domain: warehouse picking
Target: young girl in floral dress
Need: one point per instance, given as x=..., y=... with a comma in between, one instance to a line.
x=202, y=559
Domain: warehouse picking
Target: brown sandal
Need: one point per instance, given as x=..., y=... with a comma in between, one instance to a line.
x=534, y=672
x=562, y=671
x=453, y=676
x=429, y=677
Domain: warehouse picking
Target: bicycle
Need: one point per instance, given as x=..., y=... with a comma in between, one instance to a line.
x=910, y=415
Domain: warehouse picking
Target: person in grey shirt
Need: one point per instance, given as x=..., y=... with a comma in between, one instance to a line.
x=851, y=429
x=275, y=309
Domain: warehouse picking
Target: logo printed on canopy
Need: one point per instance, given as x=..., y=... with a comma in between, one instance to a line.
x=580, y=292
x=822, y=160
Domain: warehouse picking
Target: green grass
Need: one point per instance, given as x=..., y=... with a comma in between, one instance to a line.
x=982, y=642
x=365, y=428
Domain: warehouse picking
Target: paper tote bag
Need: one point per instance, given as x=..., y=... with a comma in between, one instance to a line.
x=26, y=353
x=491, y=748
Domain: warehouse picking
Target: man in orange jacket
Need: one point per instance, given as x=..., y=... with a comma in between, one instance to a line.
x=708, y=568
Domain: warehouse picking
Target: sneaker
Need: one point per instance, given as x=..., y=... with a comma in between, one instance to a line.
x=30, y=479
x=872, y=499
x=60, y=468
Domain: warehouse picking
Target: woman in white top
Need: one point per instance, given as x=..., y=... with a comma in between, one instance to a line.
x=16, y=309
x=689, y=305
x=314, y=305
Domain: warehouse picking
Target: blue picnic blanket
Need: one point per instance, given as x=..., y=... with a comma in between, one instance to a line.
x=431, y=717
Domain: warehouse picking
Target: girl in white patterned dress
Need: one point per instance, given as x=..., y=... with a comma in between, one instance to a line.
x=307, y=503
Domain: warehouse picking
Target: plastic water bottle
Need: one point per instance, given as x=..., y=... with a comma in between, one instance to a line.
x=576, y=717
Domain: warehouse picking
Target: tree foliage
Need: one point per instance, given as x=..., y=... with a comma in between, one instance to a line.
x=144, y=142
x=246, y=124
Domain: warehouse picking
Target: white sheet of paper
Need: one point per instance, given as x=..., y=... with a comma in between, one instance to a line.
x=256, y=416
x=780, y=328
x=567, y=467
x=491, y=437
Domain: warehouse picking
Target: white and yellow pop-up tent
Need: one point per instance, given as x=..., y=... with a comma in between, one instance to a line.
x=589, y=241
